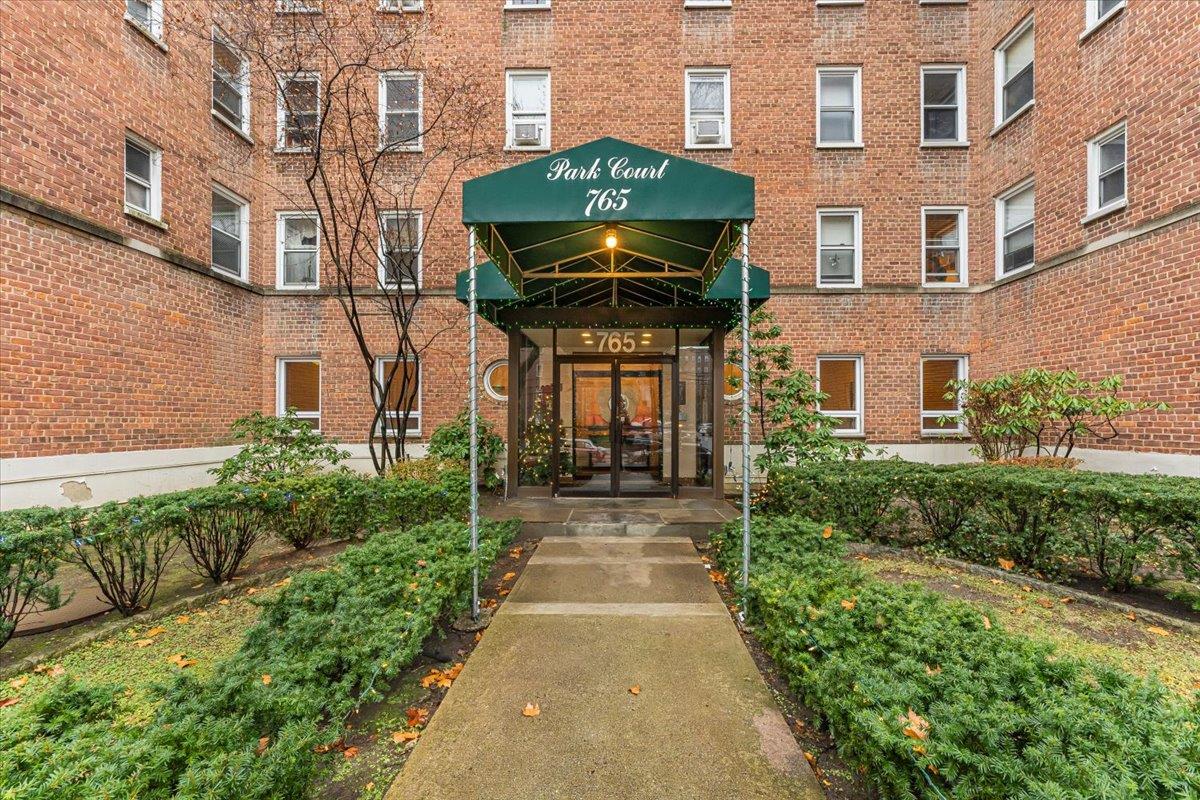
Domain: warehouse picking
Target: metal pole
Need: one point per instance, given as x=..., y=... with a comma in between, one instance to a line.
x=473, y=411
x=745, y=405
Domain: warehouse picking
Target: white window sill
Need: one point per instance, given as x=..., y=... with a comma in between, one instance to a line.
x=245, y=136
x=142, y=216
x=144, y=31
x=849, y=434
x=705, y=4
x=1100, y=213
x=722, y=146
x=821, y=3
x=514, y=148
x=1100, y=23
x=942, y=434
x=407, y=287
x=943, y=285
x=942, y=2
x=1000, y=275
x=936, y=145
x=839, y=145
x=1020, y=112
x=545, y=7
x=293, y=150
x=402, y=10
x=297, y=10
x=388, y=148
x=297, y=287
x=839, y=285
x=237, y=276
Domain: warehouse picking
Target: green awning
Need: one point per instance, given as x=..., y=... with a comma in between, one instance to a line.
x=546, y=226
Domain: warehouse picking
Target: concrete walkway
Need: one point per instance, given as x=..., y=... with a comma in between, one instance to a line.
x=588, y=619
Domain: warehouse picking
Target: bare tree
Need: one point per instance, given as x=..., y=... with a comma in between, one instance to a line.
x=378, y=132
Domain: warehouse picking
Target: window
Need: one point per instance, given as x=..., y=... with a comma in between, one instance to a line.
x=401, y=5
x=706, y=108
x=840, y=378
x=143, y=178
x=230, y=84
x=495, y=380
x=299, y=104
x=523, y=4
x=400, y=249
x=939, y=414
x=146, y=15
x=839, y=240
x=944, y=234
x=401, y=382
x=707, y=3
x=1014, y=229
x=230, y=226
x=298, y=6
x=1106, y=171
x=1014, y=73
x=298, y=386
x=527, y=110
x=298, y=260
x=400, y=111
x=943, y=105
x=840, y=2
x=1097, y=12
x=839, y=107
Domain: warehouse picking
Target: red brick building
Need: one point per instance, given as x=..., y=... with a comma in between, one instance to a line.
x=983, y=186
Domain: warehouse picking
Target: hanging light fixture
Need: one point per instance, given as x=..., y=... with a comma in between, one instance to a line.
x=610, y=238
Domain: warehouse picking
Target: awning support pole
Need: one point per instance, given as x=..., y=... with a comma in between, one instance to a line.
x=473, y=411
x=745, y=411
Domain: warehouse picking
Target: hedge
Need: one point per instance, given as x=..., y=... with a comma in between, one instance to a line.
x=1043, y=520
x=330, y=640
x=931, y=698
x=126, y=546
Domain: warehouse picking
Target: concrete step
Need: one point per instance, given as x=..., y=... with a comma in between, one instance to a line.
x=635, y=529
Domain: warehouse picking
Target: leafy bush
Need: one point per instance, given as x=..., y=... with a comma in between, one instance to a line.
x=219, y=524
x=275, y=448
x=125, y=547
x=312, y=507
x=331, y=640
x=30, y=542
x=932, y=699
x=451, y=441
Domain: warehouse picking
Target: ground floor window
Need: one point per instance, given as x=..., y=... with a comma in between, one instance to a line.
x=401, y=384
x=840, y=378
x=941, y=404
x=298, y=387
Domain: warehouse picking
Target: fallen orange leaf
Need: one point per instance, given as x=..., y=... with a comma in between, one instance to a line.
x=987, y=623
x=504, y=592
x=1157, y=631
x=531, y=710
x=850, y=604
x=1066, y=600
x=636, y=689
x=180, y=661
x=263, y=741
x=1006, y=563
x=828, y=532
x=936, y=670
x=17, y=683
x=350, y=752
x=917, y=727
x=400, y=737
x=266, y=679
x=155, y=631
x=283, y=582
x=183, y=619
x=1131, y=616
x=508, y=576
x=144, y=642
x=516, y=552
x=57, y=671
x=417, y=716
x=1045, y=602
x=9, y=701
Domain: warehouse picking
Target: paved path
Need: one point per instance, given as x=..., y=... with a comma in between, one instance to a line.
x=588, y=619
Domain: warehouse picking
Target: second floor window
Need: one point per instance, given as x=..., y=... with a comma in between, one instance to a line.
x=230, y=226
x=400, y=110
x=1014, y=72
x=1106, y=171
x=143, y=178
x=707, y=108
x=299, y=107
x=147, y=15
x=230, y=85
x=400, y=256
x=527, y=109
x=839, y=107
x=1014, y=229
x=944, y=231
x=838, y=247
x=943, y=105
x=299, y=256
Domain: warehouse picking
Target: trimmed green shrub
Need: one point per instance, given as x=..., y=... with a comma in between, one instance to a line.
x=330, y=641
x=219, y=524
x=277, y=447
x=451, y=441
x=30, y=542
x=932, y=699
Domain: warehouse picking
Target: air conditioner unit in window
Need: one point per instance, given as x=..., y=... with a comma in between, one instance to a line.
x=707, y=131
x=527, y=133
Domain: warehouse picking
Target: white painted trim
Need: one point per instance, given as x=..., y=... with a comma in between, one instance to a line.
x=962, y=375
x=707, y=3
x=1094, y=209
x=962, y=212
x=410, y=147
x=281, y=218
x=243, y=229
x=999, y=206
x=499, y=363
x=381, y=277
x=960, y=73
x=155, y=31
x=856, y=72
x=542, y=6
x=724, y=74
x=280, y=106
x=860, y=413
x=856, y=213
x=1000, y=77
x=242, y=80
x=397, y=7
x=154, y=212
x=508, y=100
x=417, y=410
x=280, y=388
x=1092, y=19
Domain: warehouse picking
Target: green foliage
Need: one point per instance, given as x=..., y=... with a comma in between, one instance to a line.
x=30, y=541
x=275, y=448
x=330, y=641
x=1043, y=520
x=932, y=699
x=452, y=441
x=218, y=525
x=1048, y=411
x=768, y=357
x=537, y=445
x=311, y=507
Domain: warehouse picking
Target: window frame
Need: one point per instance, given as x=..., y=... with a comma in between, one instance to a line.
x=1000, y=80
x=417, y=412
x=708, y=3
x=963, y=367
x=499, y=363
x=856, y=213
x=397, y=7
x=418, y=145
x=297, y=7
x=857, y=108
x=281, y=109
x=1094, y=209
x=154, y=186
x=689, y=137
x=381, y=277
x=509, y=122
x=1093, y=19
x=281, y=388
x=960, y=73
x=155, y=30
x=859, y=414
x=1000, y=207
x=243, y=228
x=962, y=213
x=538, y=5
x=281, y=219
x=243, y=81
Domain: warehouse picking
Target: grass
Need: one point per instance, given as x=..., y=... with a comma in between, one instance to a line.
x=1109, y=636
x=139, y=658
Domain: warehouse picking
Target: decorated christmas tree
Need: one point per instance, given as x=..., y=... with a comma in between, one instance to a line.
x=537, y=445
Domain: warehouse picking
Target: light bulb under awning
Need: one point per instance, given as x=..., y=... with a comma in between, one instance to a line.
x=610, y=238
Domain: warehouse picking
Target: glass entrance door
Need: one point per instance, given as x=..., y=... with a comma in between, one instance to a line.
x=586, y=429
x=643, y=428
